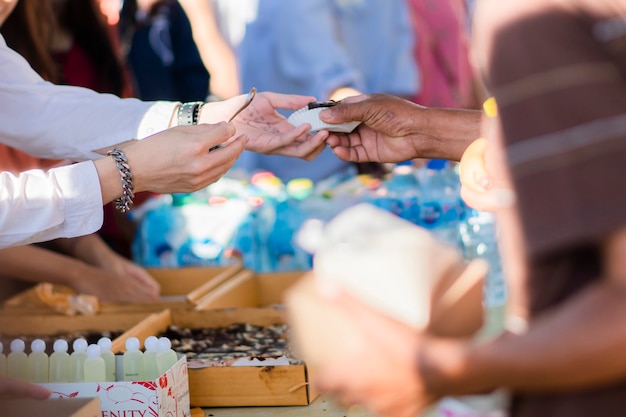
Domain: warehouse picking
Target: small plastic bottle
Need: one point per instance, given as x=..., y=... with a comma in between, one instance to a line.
x=17, y=360
x=132, y=361
x=60, y=362
x=38, y=363
x=109, y=358
x=3, y=360
x=77, y=360
x=149, y=358
x=94, y=366
x=165, y=357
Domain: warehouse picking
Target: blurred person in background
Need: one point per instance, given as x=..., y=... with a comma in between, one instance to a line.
x=159, y=47
x=442, y=53
x=329, y=49
x=552, y=172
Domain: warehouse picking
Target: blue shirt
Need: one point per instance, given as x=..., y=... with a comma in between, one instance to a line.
x=312, y=47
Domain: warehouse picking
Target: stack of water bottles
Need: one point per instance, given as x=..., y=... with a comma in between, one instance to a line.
x=254, y=219
x=87, y=363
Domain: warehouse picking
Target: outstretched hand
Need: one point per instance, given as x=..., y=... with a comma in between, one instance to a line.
x=268, y=131
x=395, y=130
x=384, y=135
x=271, y=133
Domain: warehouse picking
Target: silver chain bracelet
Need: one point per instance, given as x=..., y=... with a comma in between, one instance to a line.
x=126, y=200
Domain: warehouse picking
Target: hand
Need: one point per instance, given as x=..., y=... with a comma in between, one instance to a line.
x=176, y=160
x=106, y=274
x=11, y=388
x=395, y=130
x=118, y=279
x=384, y=135
x=373, y=362
x=131, y=284
x=267, y=130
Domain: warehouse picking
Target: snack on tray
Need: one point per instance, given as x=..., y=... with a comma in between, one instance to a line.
x=222, y=346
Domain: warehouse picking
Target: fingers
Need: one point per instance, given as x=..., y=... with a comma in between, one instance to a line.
x=287, y=101
x=472, y=171
x=10, y=387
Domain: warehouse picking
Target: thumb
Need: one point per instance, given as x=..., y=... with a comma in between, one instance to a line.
x=341, y=113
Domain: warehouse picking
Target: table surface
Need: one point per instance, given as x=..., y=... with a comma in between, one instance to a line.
x=322, y=406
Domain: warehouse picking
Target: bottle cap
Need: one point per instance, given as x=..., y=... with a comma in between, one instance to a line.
x=93, y=351
x=37, y=345
x=105, y=344
x=437, y=164
x=79, y=345
x=164, y=344
x=151, y=343
x=60, y=345
x=132, y=344
x=18, y=345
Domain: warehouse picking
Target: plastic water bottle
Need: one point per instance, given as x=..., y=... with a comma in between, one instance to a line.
x=3, y=360
x=59, y=362
x=404, y=194
x=94, y=366
x=17, y=360
x=441, y=208
x=285, y=255
x=38, y=363
x=149, y=358
x=132, y=361
x=165, y=357
x=479, y=240
x=108, y=357
x=77, y=360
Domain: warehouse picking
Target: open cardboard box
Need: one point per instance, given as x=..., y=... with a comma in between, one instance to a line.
x=247, y=289
x=238, y=385
x=181, y=288
x=166, y=396
x=31, y=326
x=51, y=407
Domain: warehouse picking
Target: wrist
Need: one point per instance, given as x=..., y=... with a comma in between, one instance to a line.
x=453, y=367
x=188, y=113
x=448, y=132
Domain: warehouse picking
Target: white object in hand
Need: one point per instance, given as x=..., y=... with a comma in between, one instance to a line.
x=311, y=114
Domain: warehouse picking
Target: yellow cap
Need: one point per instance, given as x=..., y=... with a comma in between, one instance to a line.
x=490, y=107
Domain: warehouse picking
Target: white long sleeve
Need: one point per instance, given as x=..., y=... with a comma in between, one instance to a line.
x=58, y=122
x=37, y=205
x=61, y=122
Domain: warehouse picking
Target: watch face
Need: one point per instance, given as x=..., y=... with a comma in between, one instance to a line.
x=317, y=104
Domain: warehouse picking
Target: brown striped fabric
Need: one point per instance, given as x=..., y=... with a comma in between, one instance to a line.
x=557, y=69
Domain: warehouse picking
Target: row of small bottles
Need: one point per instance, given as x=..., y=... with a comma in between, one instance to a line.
x=87, y=363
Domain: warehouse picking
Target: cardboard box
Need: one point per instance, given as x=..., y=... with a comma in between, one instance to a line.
x=69, y=407
x=247, y=289
x=30, y=326
x=240, y=385
x=180, y=288
x=167, y=396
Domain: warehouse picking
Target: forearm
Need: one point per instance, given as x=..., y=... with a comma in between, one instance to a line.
x=578, y=344
x=90, y=249
x=450, y=132
x=217, y=56
x=34, y=264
